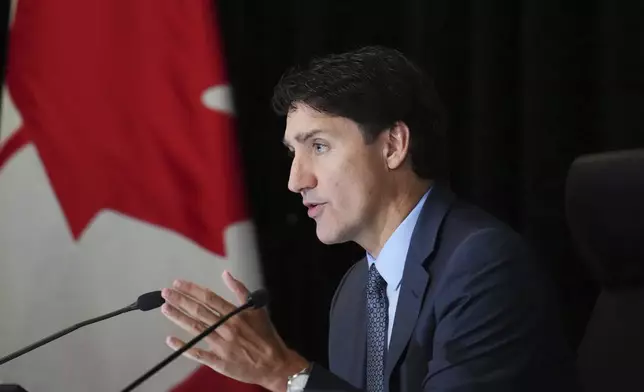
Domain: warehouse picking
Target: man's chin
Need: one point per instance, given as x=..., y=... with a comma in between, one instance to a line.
x=327, y=241
x=328, y=237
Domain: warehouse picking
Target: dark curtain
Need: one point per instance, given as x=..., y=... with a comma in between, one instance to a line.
x=529, y=86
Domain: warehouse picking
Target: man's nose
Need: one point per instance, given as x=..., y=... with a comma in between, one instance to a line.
x=301, y=177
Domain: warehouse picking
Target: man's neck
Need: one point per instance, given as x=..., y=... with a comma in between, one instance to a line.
x=392, y=216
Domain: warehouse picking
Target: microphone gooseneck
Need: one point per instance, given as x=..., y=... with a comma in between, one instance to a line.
x=145, y=302
x=256, y=300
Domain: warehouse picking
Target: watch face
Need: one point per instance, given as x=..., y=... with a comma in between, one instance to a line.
x=298, y=383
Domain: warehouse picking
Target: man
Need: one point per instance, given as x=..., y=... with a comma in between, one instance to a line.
x=447, y=298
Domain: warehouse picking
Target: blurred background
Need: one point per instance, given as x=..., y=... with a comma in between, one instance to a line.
x=529, y=85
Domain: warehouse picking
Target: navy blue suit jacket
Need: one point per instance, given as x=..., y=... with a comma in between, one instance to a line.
x=475, y=313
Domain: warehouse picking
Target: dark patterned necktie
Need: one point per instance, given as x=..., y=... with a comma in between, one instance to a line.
x=377, y=315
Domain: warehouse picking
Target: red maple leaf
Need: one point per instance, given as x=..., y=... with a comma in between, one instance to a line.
x=110, y=93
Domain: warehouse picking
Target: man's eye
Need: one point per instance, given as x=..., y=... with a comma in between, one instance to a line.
x=320, y=148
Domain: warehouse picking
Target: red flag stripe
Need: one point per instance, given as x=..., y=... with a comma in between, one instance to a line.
x=12, y=145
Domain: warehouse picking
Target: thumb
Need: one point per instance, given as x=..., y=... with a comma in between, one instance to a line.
x=237, y=287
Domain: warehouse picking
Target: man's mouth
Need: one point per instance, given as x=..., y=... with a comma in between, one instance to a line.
x=314, y=209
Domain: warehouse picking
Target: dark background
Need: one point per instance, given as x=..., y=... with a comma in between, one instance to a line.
x=529, y=86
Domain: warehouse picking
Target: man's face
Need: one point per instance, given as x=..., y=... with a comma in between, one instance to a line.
x=338, y=175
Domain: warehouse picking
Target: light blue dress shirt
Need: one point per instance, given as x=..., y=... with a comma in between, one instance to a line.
x=391, y=260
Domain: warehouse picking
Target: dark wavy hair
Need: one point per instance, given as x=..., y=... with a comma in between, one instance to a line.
x=375, y=87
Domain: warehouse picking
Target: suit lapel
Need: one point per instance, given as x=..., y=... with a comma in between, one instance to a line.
x=416, y=278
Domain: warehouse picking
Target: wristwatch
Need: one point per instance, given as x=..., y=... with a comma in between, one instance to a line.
x=297, y=382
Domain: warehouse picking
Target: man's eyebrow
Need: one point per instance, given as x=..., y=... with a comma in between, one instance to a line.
x=303, y=137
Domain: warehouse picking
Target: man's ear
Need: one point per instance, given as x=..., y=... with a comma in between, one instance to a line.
x=396, y=145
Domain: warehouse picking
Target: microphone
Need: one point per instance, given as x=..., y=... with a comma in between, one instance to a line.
x=145, y=302
x=257, y=299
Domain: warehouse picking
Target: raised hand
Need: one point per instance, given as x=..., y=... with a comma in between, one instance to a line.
x=246, y=347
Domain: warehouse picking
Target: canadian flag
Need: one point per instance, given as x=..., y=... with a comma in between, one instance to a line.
x=118, y=173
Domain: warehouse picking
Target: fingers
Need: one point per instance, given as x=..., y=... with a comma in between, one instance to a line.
x=203, y=295
x=189, y=306
x=184, y=307
x=204, y=357
x=237, y=287
x=188, y=323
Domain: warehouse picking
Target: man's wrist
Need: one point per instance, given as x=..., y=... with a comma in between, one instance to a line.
x=293, y=365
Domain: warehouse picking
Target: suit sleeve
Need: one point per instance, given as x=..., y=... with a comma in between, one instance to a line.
x=321, y=379
x=495, y=322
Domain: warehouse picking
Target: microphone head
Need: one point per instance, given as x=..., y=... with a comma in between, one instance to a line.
x=258, y=298
x=149, y=301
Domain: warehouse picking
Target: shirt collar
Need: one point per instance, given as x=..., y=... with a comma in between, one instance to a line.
x=391, y=260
